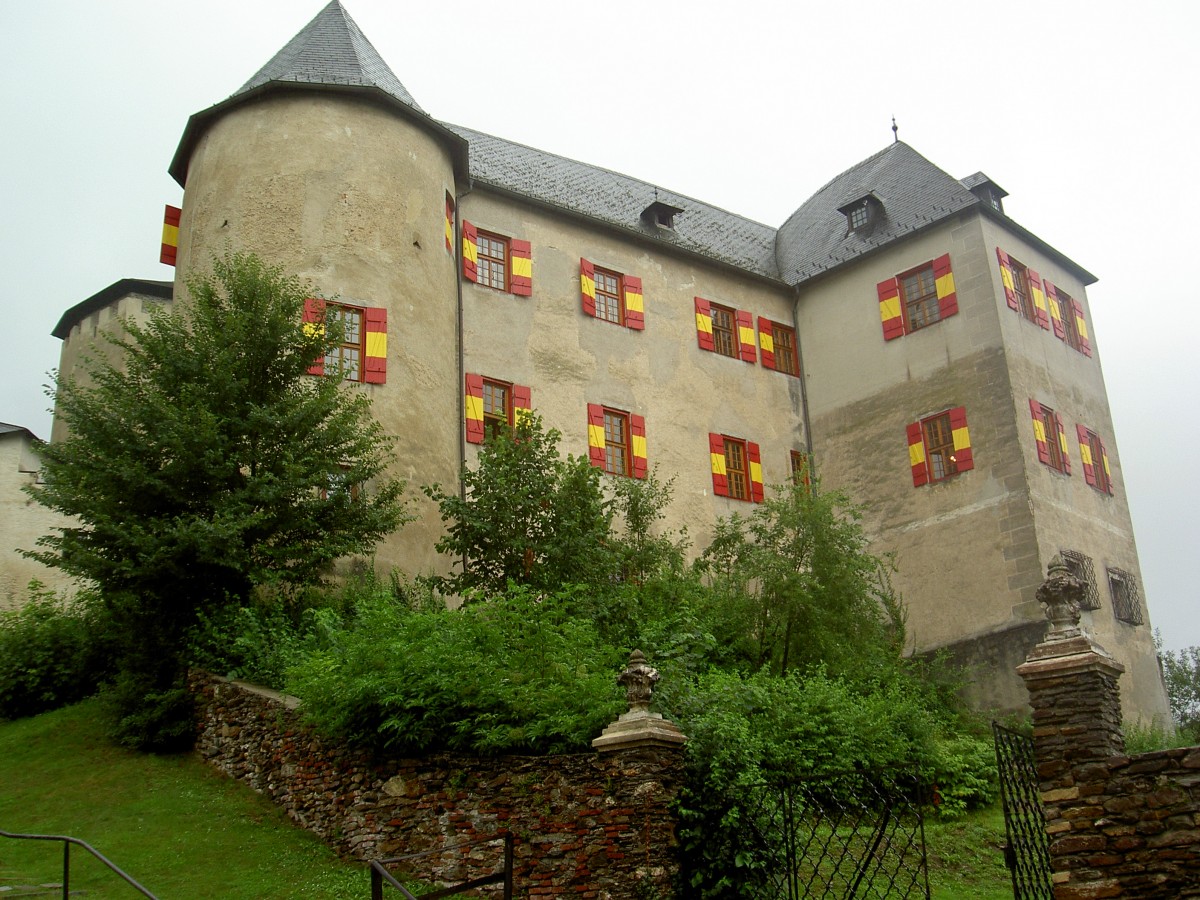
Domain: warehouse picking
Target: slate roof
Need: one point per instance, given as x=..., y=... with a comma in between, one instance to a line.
x=914, y=192
x=331, y=49
x=619, y=200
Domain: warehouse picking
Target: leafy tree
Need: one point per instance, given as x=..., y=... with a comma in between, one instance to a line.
x=204, y=466
x=1181, y=671
x=798, y=587
x=526, y=517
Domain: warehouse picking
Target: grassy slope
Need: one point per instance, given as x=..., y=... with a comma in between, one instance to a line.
x=185, y=831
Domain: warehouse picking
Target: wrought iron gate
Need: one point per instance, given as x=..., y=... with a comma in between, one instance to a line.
x=1028, y=846
x=857, y=835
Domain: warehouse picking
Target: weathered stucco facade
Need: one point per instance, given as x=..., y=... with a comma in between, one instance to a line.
x=324, y=164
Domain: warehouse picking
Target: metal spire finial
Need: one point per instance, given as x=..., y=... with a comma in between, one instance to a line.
x=895, y=131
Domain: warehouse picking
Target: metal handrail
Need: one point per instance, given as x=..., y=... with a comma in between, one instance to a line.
x=67, y=842
x=380, y=874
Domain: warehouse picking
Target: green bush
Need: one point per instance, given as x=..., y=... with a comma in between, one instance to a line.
x=520, y=674
x=52, y=653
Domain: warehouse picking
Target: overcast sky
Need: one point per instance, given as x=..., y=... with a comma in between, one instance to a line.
x=1084, y=112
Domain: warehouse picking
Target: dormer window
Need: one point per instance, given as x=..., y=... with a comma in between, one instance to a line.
x=661, y=215
x=862, y=214
x=986, y=190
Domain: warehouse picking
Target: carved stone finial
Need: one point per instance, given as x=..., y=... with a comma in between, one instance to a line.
x=638, y=680
x=1062, y=594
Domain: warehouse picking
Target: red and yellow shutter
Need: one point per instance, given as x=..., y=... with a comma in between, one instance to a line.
x=1039, y=298
x=1006, y=276
x=964, y=457
x=170, y=235
x=1085, y=455
x=1081, y=327
x=916, y=455
x=473, y=409
x=637, y=445
x=1108, y=482
x=889, y=309
x=754, y=457
x=314, y=323
x=716, y=457
x=375, y=370
x=745, y=326
x=449, y=225
x=704, y=334
x=470, y=251
x=1062, y=444
x=1039, y=433
x=587, y=287
x=596, y=441
x=944, y=281
x=521, y=260
x=766, y=342
x=521, y=402
x=635, y=313
x=1056, y=310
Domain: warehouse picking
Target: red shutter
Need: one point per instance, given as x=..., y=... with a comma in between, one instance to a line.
x=1039, y=298
x=1056, y=310
x=1006, y=276
x=635, y=317
x=1039, y=433
x=470, y=240
x=587, y=287
x=1085, y=454
x=375, y=368
x=745, y=327
x=716, y=454
x=521, y=401
x=964, y=457
x=474, y=409
x=754, y=458
x=520, y=280
x=704, y=334
x=916, y=454
x=1061, y=437
x=596, y=437
x=637, y=442
x=944, y=280
x=767, y=347
x=449, y=225
x=1108, y=479
x=889, y=309
x=170, y=235
x=1081, y=327
x=314, y=316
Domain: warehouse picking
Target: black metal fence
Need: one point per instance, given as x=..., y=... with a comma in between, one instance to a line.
x=67, y=843
x=852, y=835
x=1027, y=849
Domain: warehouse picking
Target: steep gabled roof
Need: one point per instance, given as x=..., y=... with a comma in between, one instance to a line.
x=914, y=194
x=329, y=54
x=619, y=200
x=331, y=49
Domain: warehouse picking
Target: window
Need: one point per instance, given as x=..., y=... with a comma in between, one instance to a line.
x=362, y=353
x=777, y=344
x=1066, y=313
x=611, y=296
x=497, y=262
x=1023, y=289
x=1096, y=471
x=727, y=331
x=917, y=298
x=1081, y=567
x=338, y=486
x=800, y=468
x=1050, y=437
x=1126, y=597
x=736, y=468
x=616, y=441
x=862, y=215
x=490, y=405
x=939, y=446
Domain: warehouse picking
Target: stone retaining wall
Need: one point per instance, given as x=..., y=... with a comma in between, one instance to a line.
x=586, y=825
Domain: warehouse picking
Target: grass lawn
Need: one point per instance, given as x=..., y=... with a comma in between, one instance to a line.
x=186, y=831
x=178, y=827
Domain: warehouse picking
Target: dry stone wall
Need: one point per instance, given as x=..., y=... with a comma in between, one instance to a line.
x=584, y=825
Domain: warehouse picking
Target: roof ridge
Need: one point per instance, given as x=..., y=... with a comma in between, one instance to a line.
x=331, y=49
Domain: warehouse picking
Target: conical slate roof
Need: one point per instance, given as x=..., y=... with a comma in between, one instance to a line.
x=331, y=49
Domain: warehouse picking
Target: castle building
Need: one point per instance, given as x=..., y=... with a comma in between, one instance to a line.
x=898, y=332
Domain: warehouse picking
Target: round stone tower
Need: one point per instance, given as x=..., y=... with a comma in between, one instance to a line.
x=325, y=165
